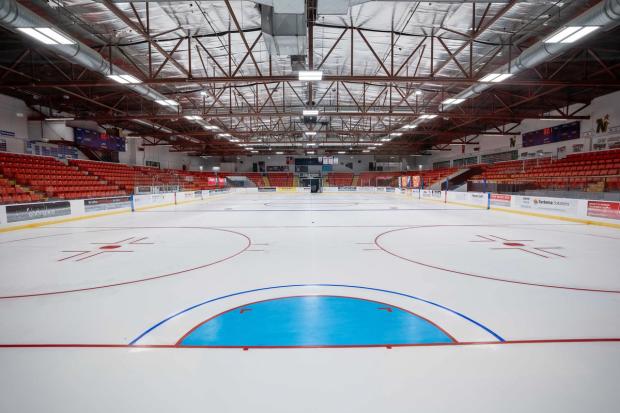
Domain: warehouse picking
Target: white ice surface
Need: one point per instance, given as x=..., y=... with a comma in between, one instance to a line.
x=310, y=239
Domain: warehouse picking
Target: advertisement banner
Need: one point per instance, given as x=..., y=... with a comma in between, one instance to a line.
x=98, y=140
x=103, y=204
x=267, y=189
x=347, y=189
x=547, y=204
x=477, y=198
x=604, y=209
x=501, y=200
x=28, y=212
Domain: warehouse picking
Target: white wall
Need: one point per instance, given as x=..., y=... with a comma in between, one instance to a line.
x=14, y=116
x=14, y=121
x=599, y=107
x=245, y=163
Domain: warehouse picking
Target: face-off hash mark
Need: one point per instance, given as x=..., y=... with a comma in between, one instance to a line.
x=106, y=247
x=518, y=244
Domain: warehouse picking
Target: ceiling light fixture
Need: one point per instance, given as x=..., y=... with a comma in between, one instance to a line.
x=412, y=126
x=124, y=79
x=310, y=112
x=571, y=34
x=279, y=153
x=167, y=102
x=192, y=117
x=46, y=35
x=310, y=152
x=58, y=119
x=310, y=133
x=428, y=116
x=396, y=134
x=310, y=75
x=496, y=77
x=452, y=101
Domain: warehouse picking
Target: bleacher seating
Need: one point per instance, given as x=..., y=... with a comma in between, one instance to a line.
x=52, y=177
x=430, y=177
x=128, y=177
x=255, y=177
x=340, y=179
x=575, y=172
x=11, y=194
x=284, y=179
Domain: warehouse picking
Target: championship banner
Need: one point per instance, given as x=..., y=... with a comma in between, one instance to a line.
x=405, y=181
x=416, y=181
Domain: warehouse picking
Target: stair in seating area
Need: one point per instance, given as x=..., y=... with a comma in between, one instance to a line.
x=266, y=180
x=356, y=179
x=295, y=181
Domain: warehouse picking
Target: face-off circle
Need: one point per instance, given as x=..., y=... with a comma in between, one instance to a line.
x=526, y=255
x=82, y=261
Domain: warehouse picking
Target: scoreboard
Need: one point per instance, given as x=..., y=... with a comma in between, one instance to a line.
x=559, y=133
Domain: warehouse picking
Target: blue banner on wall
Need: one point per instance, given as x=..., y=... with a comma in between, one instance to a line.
x=557, y=133
x=98, y=140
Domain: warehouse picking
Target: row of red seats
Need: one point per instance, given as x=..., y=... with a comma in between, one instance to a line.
x=53, y=177
x=283, y=179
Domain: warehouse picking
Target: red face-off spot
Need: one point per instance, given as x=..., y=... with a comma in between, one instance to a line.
x=109, y=247
x=514, y=244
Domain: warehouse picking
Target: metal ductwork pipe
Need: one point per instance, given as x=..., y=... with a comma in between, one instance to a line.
x=13, y=16
x=605, y=14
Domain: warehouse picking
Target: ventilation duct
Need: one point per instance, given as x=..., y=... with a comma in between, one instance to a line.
x=13, y=16
x=284, y=33
x=605, y=15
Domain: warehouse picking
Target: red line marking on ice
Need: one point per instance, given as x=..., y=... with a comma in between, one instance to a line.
x=460, y=343
x=137, y=241
x=520, y=249
x=484, y=277
x=80, y=253
x=117, y=242
x=98, y=253
x=544, y=249
x=98, y=287
x=388, y=309
x=243, y=310
x=517, y=240
x=485, y=239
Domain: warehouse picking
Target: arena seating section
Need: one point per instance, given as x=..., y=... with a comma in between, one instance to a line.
x=280, y=179
x=339, y=179
x=27, y=178
x=575, y=172
x=128, y=177
x=430, y=177
x=51, y=177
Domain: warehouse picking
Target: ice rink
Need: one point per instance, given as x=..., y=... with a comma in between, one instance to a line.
x=510, y=313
